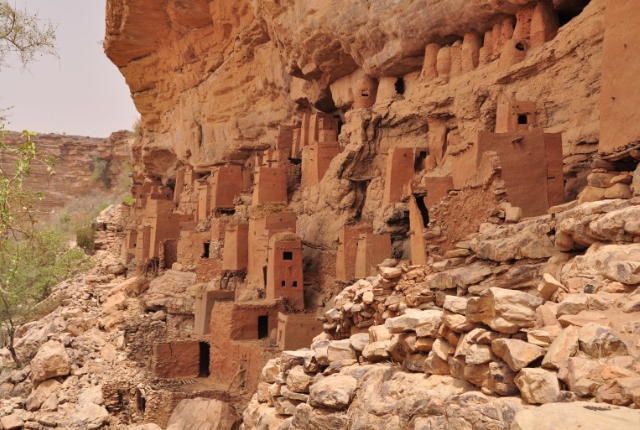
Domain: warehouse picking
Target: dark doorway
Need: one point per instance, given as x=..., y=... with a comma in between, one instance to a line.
x=570, y=9
x=522, y=119
x=287, y=255
x=419, y=164
x=263, y=326
x=141, y=401
x=399, y=86
x=205, y=358
x=206, y=246
x=423, y=210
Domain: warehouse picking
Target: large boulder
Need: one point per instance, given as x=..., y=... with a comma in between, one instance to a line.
x=173, y=291
x=42, y=393
x=581, y=375
x=529, y=239
x=538, y=386
x=377, y=351
x=288, y=360
x=204, y=414
x=505, y=311
x=516, y=353
x=615, y=262
x=621, y=391
x=92, y=395
x=50, y=361
x=11, y=422
x=563, y=347
x=270, y=370
x=427, y=322
x=598, y=341
x=298, y=380
x=340, y=350
x=88, y=415
x=333, y=392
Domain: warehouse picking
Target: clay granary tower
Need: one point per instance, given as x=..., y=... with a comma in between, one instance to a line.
x=284, y=271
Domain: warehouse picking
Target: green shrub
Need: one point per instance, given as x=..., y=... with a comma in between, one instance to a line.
x=101, y=171
x=84, y=239
x=128, y=199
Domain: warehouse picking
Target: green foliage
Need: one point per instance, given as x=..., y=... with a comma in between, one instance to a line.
x=101, y=171
x=125, y=180
x=84, y=239
x=34, y=265
x=32, y=260
x=18, y=205
x=128, y=200
x=23, y=35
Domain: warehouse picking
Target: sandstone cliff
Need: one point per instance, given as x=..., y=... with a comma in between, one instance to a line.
x=210, y=78
x=211, y=93
x=460, y=138
x=85, y=165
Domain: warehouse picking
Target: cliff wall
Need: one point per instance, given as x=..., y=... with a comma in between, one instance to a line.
x=215, y=80
x=210, y=78
x=85, y=165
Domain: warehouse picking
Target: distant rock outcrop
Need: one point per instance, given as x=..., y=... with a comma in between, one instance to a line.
x=85, y=165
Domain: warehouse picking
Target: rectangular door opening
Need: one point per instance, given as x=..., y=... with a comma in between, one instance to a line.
x=263, y=326
x=204, y=359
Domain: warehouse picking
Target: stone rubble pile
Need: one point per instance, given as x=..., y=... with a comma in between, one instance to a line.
x=507, y=320
x=70, y=355
x=605, y=182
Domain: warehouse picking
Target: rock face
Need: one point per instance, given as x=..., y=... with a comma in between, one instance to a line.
x=183, y=70
x=85, y=165
x=575, y=415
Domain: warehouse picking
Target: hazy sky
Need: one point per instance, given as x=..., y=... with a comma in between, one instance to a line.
x=81, y=92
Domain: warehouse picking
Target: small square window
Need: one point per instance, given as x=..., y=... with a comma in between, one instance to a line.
x=522, y=120
x=283, y=284
x=287, y=255
x=294, y=284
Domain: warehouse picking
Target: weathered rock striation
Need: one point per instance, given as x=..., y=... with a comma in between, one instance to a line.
x=84, y=165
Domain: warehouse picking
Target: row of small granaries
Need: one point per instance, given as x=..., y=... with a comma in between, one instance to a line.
x=234, y=222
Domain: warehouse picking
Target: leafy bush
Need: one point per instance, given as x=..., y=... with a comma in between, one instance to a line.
x=84, y=239
x=30, y=266
x=128, y=199
x=100, y=171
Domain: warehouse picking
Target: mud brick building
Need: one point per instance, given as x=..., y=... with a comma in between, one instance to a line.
x=284, y=270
